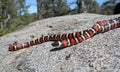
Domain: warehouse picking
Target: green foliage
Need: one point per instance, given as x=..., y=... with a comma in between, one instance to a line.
x=91, y=6
x=4, y=31
x=106, y=10
x=2, y=17
x=107, y=7
x=52, y=8
x=19, y=22
x=21, y=7
x=17, y=11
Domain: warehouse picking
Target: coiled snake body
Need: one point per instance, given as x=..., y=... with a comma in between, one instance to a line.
x=69, y=39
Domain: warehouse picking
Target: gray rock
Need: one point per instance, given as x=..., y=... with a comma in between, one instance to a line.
x=98, y=54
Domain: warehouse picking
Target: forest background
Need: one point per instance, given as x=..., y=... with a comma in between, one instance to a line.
x=14, y=14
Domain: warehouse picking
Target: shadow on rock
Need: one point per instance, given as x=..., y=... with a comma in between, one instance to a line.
x=57, y=48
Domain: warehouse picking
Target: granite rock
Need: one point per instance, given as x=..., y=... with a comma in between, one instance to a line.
x=100, y=53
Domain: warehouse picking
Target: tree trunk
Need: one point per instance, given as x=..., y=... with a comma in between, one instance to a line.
x=6, y=21
x=80, y=4
x=39, y=8
x=1, y=26
x=53, y=8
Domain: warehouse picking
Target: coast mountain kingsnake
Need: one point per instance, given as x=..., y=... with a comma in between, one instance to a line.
x=69, y=39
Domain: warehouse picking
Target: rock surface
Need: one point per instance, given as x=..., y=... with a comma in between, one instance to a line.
x=98, y=54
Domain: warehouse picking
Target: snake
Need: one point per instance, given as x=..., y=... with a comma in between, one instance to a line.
x=70, y=39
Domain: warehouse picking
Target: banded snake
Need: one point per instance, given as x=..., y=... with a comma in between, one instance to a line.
x=69, y=39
